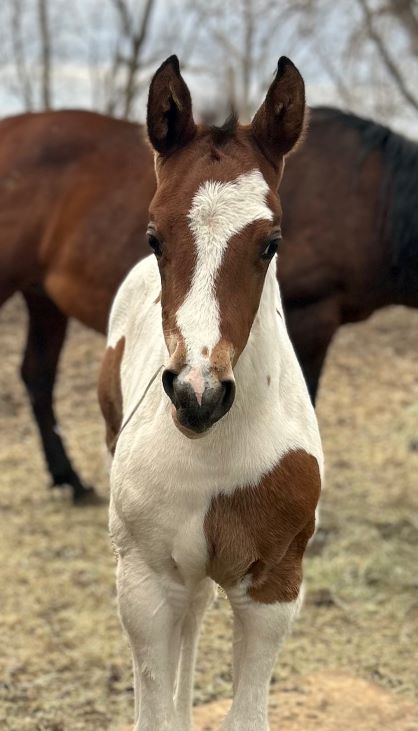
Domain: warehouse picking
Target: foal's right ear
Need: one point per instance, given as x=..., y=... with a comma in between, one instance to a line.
x=169, y=113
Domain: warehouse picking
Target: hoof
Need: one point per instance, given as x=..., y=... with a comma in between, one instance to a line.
x=88, y=496
x=80, y=494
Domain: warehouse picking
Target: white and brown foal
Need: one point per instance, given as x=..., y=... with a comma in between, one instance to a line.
x=236, y=506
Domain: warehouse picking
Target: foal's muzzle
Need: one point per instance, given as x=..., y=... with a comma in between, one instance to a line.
x=196, y=410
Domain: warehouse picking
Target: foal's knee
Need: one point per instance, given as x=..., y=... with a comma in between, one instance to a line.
x=271, y=622
x=143, y=604
x=205, y=596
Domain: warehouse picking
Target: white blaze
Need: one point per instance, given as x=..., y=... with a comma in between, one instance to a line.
x=219, y=211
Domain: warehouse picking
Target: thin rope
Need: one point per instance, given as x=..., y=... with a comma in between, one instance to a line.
x=136, y=407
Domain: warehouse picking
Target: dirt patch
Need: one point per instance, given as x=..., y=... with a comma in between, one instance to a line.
x=329, y=703
x=65, y=664
x=326, y=702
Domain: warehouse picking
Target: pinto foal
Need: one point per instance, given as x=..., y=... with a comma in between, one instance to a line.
x=235, y=507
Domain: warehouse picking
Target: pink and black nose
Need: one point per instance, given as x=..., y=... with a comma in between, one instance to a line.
x=199, y=397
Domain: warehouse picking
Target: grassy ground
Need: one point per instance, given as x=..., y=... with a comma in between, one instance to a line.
x=64, y=663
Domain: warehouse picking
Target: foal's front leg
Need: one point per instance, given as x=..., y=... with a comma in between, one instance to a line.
x=261, y=629
x=203, y=597
x=153, y=627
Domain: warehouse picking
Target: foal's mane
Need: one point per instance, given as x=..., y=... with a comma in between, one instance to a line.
x=220, y=135
x=399, y=190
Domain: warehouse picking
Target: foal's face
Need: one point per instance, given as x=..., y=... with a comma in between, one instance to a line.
x=214, y=228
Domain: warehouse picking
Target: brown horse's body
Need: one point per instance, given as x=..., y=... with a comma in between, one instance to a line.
x=75, y=187
x=74, y=194
x=350, y=247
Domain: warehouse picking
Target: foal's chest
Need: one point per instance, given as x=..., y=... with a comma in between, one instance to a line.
x=259, y=531
x=162, y=505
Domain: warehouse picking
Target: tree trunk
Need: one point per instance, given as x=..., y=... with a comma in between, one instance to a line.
x=45, y=38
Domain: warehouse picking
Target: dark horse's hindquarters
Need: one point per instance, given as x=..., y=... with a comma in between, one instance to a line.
x=74, y=195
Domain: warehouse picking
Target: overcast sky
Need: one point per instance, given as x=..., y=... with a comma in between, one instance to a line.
x=85, y=32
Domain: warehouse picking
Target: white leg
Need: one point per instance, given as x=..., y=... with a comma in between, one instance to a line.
x=238, y=638
x=152, y=623
x=136, y=688
x=202, y=599
x=263, y=626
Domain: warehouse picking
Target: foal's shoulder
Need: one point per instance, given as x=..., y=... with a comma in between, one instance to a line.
x=140, y=288
x=133, y=298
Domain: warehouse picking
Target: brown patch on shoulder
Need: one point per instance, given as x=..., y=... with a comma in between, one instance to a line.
x=109, y=392
x=158, y=299
x=205, y=352
x=262, y=531
x=268, y=380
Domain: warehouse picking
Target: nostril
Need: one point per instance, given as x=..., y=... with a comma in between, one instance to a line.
x=229, y=394
x=168, y=379
x=222, y=400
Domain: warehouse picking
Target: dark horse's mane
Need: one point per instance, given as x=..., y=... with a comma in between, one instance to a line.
x=399, y=192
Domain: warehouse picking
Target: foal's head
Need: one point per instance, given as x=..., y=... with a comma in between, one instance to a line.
x=214, y=228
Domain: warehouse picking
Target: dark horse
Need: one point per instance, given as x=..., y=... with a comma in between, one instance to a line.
x=74, y=194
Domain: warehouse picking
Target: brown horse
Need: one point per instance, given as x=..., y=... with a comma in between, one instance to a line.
x=74, y=194
x=350, y=230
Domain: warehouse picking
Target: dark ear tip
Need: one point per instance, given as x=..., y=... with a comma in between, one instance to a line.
x=284, y=63
x=170, y=61
x=173, y=62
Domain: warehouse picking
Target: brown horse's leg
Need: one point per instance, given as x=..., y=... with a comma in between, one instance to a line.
x=311, y=329
x=312, y=369
x=46, y=335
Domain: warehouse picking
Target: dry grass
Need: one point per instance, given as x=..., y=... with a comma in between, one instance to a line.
x=65, y=664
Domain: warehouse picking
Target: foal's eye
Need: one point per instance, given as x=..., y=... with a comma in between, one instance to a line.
x=154, y=241
x=272, y=247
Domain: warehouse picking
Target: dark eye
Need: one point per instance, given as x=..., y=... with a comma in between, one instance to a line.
x=272, y=247
x=154, y=241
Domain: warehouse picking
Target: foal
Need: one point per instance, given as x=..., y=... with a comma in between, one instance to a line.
x=235, y=507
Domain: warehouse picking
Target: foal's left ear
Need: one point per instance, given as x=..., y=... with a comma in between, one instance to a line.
x=169, y=113
x=279, y=122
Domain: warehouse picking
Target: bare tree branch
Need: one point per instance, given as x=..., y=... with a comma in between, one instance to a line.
x=388, y=61
x=45, y=39
x=124, y=16
x=334, y=74
x=247, y=59
x=406, y=12
x=124, y=93
x=136, y=46
x=19, y=55
x=239, y=37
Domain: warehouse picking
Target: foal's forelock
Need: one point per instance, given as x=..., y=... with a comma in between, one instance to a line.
x=219, y=211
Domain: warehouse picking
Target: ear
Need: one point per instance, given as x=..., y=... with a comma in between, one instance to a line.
x=169, y=113
x=279, y=122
